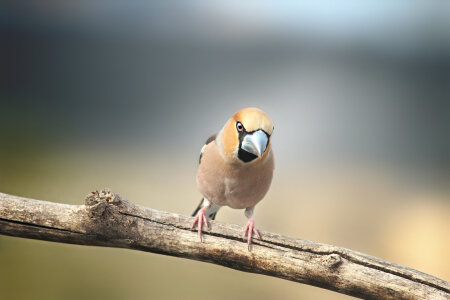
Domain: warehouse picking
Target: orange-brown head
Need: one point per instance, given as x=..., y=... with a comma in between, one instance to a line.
x=246, y=136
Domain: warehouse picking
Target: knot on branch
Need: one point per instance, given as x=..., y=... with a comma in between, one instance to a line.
x=105, y=195
x=333, y=260
x=105, y=218
x=103, y=204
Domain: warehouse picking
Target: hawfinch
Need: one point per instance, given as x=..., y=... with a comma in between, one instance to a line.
x=235, y=168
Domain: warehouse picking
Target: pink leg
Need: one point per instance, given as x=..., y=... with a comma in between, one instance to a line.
x=250, y=229
x=200, y=218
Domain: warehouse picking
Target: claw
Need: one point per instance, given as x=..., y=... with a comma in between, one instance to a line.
x=249, y=230
x=201, y=219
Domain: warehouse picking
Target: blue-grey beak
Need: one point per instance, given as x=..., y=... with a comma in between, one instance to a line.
x=255, y=143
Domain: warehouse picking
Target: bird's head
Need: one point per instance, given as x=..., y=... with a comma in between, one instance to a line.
x=246, y=135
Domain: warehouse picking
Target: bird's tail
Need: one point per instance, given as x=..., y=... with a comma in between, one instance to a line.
x=210, y=212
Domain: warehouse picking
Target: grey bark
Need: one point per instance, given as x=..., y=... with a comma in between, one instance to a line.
x=109, y=220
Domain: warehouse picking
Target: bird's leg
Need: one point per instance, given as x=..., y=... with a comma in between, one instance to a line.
x=250, y=229
x=200, y=218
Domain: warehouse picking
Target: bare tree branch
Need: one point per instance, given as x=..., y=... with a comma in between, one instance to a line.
x=108, y=220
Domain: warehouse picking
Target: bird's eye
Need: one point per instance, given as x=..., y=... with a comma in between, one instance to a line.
x=239, y=126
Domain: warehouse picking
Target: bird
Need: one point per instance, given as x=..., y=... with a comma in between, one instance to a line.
x=235, y=169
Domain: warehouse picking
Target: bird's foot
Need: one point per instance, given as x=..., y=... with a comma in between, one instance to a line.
x=201, y=219
x=249, y=230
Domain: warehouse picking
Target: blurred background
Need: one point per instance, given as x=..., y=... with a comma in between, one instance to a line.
x=123, y=95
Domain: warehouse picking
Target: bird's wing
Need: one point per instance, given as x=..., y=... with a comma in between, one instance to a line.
x=209, y=140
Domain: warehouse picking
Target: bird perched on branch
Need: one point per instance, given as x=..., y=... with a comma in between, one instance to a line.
x=235, y=168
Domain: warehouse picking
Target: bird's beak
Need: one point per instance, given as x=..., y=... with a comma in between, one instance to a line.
x=255, y=143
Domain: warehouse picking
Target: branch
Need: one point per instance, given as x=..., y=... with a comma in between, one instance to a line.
x=109, y=220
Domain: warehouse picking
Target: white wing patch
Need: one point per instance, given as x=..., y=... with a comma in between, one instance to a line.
x=201, y=153
x=211, y=139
